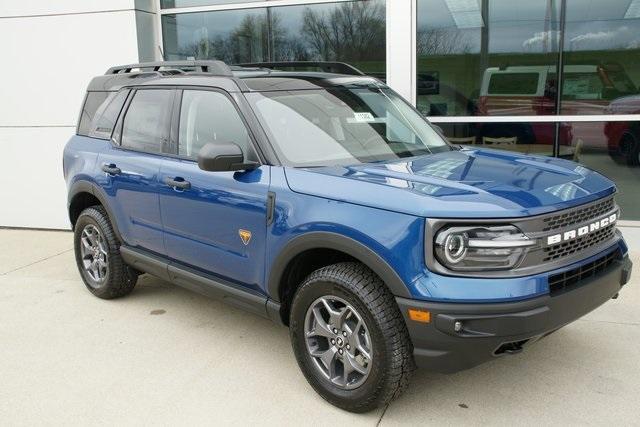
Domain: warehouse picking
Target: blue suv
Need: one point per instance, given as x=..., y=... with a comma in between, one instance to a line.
x=325, y=202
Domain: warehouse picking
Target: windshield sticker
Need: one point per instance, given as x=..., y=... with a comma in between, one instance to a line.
x=364, y=117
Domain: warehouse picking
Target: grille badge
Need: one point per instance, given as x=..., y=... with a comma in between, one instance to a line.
x=584, y=230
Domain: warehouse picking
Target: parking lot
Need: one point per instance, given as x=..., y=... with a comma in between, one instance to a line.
x=166, y=356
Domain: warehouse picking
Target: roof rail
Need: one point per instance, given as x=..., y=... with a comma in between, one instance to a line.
x=327, y=67
x=213, y=67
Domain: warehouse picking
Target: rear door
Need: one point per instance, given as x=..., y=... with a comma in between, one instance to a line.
x=131, y=167
x=217, y=221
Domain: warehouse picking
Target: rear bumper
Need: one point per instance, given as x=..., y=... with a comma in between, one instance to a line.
x=492, y=330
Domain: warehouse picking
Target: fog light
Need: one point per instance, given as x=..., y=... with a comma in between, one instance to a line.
x=457, y=326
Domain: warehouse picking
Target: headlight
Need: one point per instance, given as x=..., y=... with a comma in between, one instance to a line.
x=481, y=248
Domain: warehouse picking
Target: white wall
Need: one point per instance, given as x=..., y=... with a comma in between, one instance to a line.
x=50, y=51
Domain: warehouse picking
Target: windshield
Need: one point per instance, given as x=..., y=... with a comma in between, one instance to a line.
x=343, y=126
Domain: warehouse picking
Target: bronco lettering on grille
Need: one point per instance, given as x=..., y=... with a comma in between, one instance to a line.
x=582, y=231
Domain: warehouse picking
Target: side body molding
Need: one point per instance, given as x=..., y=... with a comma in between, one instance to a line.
x=328, y=240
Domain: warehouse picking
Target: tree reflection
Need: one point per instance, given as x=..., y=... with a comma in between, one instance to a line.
x=350, y=32
x=353, y=31
x=441, y=41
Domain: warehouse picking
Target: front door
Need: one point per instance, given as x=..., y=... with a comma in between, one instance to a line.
x=214, y=221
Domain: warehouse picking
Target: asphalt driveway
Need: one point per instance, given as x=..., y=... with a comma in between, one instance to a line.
x=166, y=356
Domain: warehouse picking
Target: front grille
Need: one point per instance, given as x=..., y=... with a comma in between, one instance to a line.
x=563, y=282
x=579, y=215
x=562, y=250
x=567, y=225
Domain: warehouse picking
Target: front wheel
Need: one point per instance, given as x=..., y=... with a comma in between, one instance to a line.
x=349, y=337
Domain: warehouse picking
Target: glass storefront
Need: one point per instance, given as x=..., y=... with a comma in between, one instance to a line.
x=523, y=137
x=601, y=48
x=504, y=74
x=499, y=58
x=233, y=36
x=614, y=151
x=485, y=57
x=352, y=32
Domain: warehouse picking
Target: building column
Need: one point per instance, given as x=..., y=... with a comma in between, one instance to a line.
x=401, y=47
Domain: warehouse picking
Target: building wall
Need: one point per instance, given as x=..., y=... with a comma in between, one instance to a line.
x=50, y=52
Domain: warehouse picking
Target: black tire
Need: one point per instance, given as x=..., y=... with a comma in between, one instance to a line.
x=630, y=148
x=119, y=279
x=392, y=350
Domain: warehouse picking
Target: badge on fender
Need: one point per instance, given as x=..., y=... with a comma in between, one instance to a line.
x=245, y=235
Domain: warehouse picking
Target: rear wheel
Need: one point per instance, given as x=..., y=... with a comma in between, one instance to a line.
x=98, y=257
x=349, y=337
x=630, y=147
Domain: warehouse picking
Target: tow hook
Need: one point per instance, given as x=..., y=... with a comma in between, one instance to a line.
x=511, y=347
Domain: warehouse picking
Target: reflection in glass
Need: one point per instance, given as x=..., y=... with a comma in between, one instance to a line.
x=526, y=138
x=232, y=36
x=487, y=57
x=359, y=123
x=614, y=152
x=602, y=44
x=352, y=32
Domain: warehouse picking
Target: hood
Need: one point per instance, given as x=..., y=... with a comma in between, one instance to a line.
x=470, y=183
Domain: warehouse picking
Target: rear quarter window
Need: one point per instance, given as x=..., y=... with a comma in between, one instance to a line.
x=514, y=84
x=107, y=115
x=100, y=113
x=92, y=102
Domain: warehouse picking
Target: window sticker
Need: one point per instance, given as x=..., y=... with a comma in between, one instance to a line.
x=364, y=117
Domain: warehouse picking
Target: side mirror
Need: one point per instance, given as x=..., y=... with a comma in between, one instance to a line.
x=223, y=158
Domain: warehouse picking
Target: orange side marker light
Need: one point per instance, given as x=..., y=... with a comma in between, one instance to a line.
x=421, y=316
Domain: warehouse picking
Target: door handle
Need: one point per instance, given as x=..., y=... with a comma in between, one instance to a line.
x=111, y=169
x=177, y=183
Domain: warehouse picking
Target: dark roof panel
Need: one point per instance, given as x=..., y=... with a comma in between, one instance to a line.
x=300, y=81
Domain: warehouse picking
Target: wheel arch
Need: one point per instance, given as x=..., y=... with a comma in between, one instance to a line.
x=84, y=194
x=281, y=289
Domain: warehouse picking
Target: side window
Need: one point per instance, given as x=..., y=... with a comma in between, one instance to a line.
x=206, y=117
x=107, y=114
x=91, y=104
x=148, y=119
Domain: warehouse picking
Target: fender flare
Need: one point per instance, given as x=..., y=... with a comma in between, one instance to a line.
x=339, y=242
x=91, y=188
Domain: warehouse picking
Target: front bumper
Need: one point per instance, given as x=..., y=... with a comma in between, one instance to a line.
x=492, y=330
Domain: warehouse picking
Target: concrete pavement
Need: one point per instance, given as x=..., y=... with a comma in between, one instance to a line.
x=166, y=356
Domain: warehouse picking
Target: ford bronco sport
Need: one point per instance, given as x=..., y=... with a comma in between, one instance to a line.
x=325, y=202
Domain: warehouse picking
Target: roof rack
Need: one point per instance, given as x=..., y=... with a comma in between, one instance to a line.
x=327, y=67
x=213, y=67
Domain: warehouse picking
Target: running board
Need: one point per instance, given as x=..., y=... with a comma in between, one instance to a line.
x=203, y=284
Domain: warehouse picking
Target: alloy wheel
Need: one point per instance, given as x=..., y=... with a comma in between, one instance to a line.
x=338, y=342
x=93, y=250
